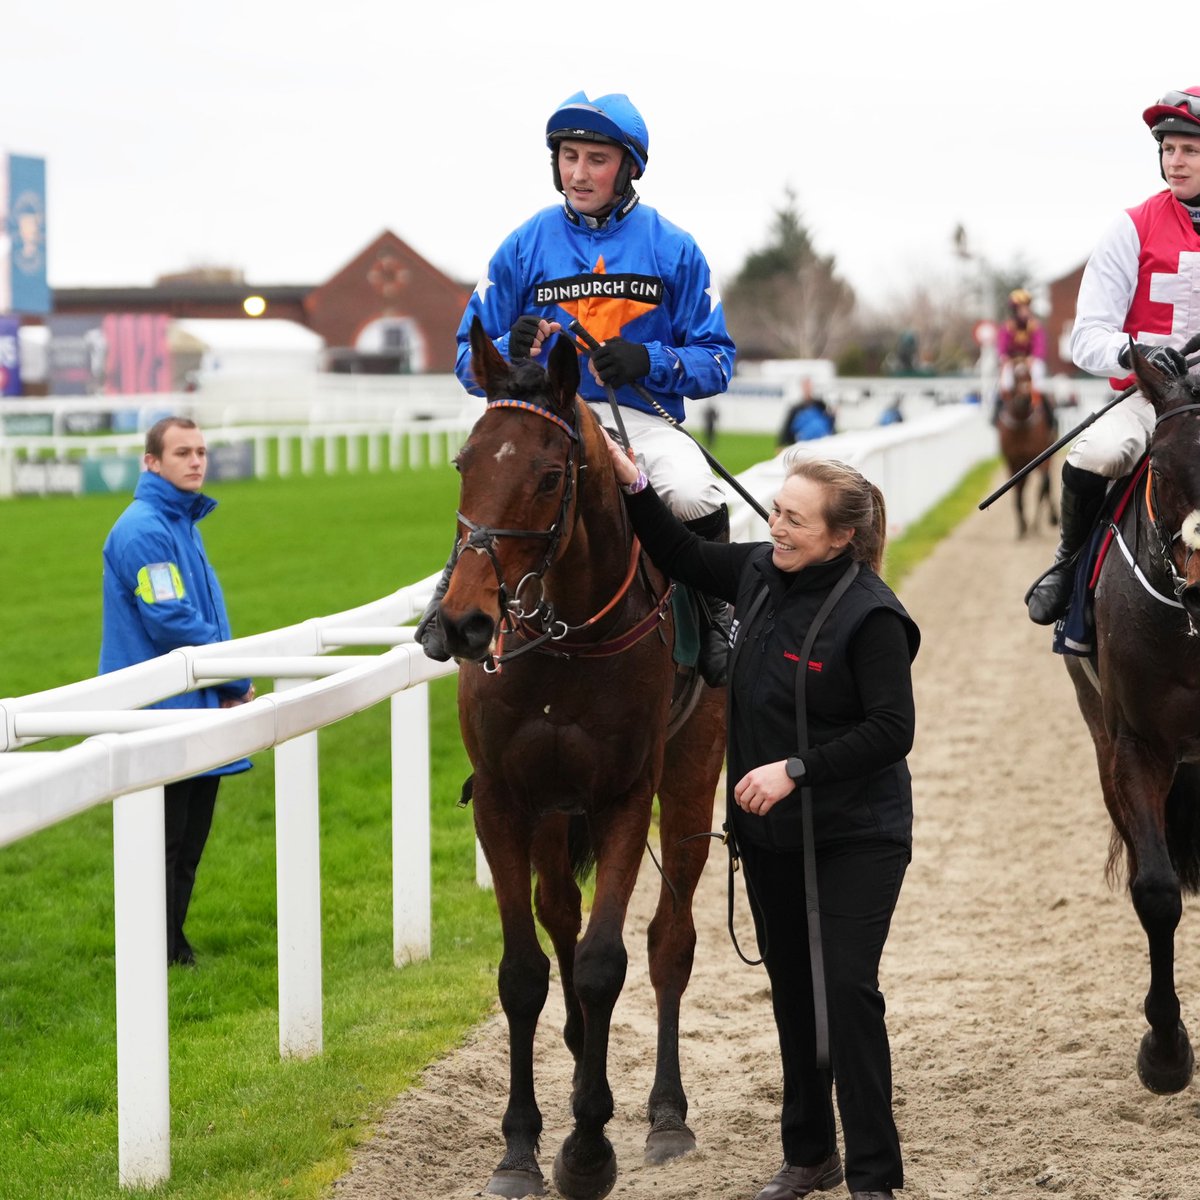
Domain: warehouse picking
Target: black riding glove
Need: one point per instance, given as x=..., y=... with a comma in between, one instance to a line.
x=521, y=336
x=619, y=362
x=1166, y=358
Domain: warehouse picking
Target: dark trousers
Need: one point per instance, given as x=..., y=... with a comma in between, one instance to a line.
x=858, y=884
x=189, y=812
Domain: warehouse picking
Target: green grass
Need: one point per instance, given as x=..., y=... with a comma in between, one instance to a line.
x=243, y=1123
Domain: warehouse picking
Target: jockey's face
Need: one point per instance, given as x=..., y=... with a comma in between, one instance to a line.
x=799, y=532
x=1181, y=165
x=589, y=171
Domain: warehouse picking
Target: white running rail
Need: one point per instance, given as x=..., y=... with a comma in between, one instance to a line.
x=130, y=753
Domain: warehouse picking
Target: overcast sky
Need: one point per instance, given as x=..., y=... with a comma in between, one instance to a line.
x=280, y=138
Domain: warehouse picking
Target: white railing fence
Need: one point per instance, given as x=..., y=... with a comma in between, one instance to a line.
x=130, y=753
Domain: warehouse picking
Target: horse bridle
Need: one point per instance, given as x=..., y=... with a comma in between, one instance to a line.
x=1167, y=539
x=482, y=539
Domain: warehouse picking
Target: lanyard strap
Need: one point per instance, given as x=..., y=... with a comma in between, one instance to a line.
x=811, y=900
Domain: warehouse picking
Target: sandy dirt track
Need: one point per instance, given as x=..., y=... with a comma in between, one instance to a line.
x=1014, y=976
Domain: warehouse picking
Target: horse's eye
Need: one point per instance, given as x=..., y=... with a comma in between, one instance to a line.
x=549, y=482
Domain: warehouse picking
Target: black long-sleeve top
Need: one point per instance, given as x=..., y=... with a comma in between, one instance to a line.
x=859, y=702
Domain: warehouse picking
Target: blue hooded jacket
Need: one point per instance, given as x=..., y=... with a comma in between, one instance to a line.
x=160, y=593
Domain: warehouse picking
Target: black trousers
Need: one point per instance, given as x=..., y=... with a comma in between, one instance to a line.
x=188, y=810
x=858, y=884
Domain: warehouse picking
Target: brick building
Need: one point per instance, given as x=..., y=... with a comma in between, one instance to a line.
x=1062, y=293
x=387, y=310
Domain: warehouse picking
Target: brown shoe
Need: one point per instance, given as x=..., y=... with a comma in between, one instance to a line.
x=790, y=1183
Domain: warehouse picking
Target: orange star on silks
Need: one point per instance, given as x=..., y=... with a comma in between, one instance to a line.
x=604, y=316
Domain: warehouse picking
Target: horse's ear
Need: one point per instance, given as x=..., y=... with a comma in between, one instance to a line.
x=1153, y=382
x=488, y=365
x=563, y=373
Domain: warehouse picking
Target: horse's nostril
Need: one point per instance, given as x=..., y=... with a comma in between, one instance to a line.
x=469, y=636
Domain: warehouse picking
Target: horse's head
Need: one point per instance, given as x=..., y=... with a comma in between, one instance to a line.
x=1174, y=488
x=519, y=472
x=1018, y=400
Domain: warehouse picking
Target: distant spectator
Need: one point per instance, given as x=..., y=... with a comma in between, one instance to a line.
x=810, y=418
x=892, y=415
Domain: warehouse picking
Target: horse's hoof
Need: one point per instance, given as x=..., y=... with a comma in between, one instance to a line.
x=514, y=1184
x=1166, y=1071
x=662, y=1145
x=586, y=1185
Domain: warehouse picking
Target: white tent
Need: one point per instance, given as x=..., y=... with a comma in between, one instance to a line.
x=252, y=346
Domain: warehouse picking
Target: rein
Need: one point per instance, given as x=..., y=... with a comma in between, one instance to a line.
x=1165, y=540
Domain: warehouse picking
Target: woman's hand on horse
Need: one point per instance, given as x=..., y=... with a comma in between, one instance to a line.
x=624, y=467
x=758, y=791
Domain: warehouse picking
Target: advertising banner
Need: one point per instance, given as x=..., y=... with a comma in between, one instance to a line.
x=48, y=478
x=112, y=473
x=24, y=287
x=231, y=460
x=10, y=357
x=75, y=356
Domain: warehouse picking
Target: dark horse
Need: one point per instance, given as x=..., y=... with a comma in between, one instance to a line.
x=1026, y=428
x=569, y=743
x=1142, y=708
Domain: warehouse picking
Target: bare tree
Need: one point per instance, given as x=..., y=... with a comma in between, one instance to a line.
x=788, y=301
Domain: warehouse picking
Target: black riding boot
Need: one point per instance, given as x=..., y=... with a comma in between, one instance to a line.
x=716, y=615
x=429, y=631
x=1082, y=497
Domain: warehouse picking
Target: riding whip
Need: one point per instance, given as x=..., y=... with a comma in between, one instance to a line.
x=576, y=328
x=1193, y=344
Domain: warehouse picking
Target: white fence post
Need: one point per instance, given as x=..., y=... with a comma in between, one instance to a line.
x=412, y=885
x=143, y=1055
x=298, y=885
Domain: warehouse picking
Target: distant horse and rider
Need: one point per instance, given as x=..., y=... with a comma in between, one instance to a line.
x=567, y=678
x=1026, y=427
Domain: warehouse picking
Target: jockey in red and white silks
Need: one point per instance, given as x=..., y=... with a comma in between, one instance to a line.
x=1141, y=284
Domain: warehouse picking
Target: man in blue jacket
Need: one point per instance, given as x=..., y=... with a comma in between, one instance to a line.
x=160, y=593
x=643, y=289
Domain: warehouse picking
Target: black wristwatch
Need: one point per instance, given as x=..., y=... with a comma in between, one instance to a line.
x=794, y=767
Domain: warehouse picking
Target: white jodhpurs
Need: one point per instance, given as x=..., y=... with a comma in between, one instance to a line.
x=1112, y=444
x=672, y=462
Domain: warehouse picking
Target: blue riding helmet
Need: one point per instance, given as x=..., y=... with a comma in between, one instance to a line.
x=610, y=118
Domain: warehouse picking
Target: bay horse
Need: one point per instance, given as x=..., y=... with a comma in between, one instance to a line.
x=566, y=677
x=1026, y=428
x=1141, y=700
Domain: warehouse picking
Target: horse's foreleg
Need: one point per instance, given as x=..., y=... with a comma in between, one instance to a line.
x=1047, y=493
x=686, y=805
x=1142, y=783
x=557, y=902
x=586, y=1167
x=1019, y=501
x=524, y=982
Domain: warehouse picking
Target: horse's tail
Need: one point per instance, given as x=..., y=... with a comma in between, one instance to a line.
x=1182, y=833
x=581, y=851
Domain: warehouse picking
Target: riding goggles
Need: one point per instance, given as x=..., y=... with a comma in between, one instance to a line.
x=1187, y=100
